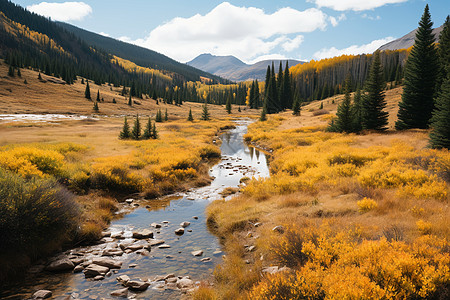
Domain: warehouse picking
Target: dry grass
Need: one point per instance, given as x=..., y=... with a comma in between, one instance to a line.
x=353, y=191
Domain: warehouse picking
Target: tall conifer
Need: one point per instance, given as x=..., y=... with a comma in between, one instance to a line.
x=440, y=122
x=287, y=88
x=420, y=78
x=357, y=111
x=343, y=121
x=373, y=101
x=125, y=133
x=87, y=91
x=228, y=104
x=148, y=130
x=256, y=93
x=136, y=132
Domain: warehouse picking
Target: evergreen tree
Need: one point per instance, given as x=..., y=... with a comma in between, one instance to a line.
x=280, y=86
x=251, y=98
x=444, y=53
x=124, y=91
x=166, y=116
x=87, y=91
x=420, y=78
x=343, y=121
x=287, y=88
x=267, y=82
x=205, y=112
x=373, y=101
x=190, y=117
x=11, y=71
x=263, y=116
x=158, y=117
x=114, y=100
x=82, y=80
x=136, y=132
x=228, y=105
x=19, y=74
x=130, y=101
x=40, y=77
x=296, y=107
x=125, y=133
x=96, y=106
x=321, y=105
x=148, y=130
x=440, y=122
x=357, y=111
x=98, y=96
x=154, y=132
x=256, y=101
x=25, y=81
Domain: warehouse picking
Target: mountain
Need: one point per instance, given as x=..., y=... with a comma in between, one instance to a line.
x=139, y=55
x=407, y=41
x=232, y=68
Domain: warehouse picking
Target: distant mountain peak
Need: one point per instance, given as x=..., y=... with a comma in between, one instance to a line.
x=407, y=40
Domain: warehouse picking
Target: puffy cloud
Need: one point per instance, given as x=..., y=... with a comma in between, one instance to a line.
x=104, y=34
x=352, y=50
x=268, y=57
x=66, y=11
x=246, y=32
x=356, y=5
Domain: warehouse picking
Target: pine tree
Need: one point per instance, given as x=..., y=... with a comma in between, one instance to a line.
x=296, y=107
x=40, y=77
x=136, y=132
x=98, y=96
x=114, y=100
x=19, y=74
x=87, y=91
x=148, y=130
x=444, y=53
x=124, y=91
x=280, y=86
x=130, y=101
x=420, y=78
x=205, y=113
x=154, y=132
x=190, y=117
x=228, y=105
x=373, y=101
x=251, y=98
x=263, y=116
x=357, y=111
x=343, y=121
x=166, y=116
x=287, y=89
x=11, y=71
x=125, y=133
x=256, y=93
x=96, y=106
x=82, y=80
x=321, y=105
x=158, y=117
x=440, y=122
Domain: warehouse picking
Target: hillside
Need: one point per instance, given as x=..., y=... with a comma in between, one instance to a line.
x=407, y=40
x=232, y=68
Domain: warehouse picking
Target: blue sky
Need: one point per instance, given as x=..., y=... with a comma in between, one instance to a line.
x=250, y=30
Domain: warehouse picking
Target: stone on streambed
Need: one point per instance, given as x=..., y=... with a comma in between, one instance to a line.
x=197, y=253
x=153, y=242
x=107, y=262
x=184, y=283
x=156, y=225
x=42, y=294
x=78, y=269
x=137, y=285
x=129, y=201
x=94, y=270
x=112, y=252
x=61, y=265
x=123, y=279
x=179, y=231
x=185, y=224
x=123, y=293
x=143, y=234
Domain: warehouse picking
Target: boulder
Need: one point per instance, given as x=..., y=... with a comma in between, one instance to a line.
x=129, y=201
x=137, y=285
x=120, y=293
x=116, y=235
x=197, y=253
x=94, y=270
x=78, y=269
x=61, y=265
x=143, y=234
x=185, y=283
x=156, y=225
x=179, y=231
x=42, y=294
x=99, y=277
x=185, y=224
x=107, y=262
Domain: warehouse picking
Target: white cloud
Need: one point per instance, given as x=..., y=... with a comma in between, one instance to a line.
x=335, y=21
x=356, y=5
x=246, y=32
x=366, y=16
x=352, y=50
x=66, y=11
x=267, y=57
x=104, y=34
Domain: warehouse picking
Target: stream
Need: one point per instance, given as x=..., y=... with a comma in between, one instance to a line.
x=172, y=258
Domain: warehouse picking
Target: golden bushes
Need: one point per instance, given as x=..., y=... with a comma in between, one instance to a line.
x=366, y=205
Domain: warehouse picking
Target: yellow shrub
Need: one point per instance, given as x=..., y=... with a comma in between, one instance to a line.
x=424, y=227
x=366, y=205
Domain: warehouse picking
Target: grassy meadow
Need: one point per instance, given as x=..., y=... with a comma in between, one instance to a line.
x=79, y=170
x=363, y=216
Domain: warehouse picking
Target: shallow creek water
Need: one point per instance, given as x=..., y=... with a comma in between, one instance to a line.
x=237, y=161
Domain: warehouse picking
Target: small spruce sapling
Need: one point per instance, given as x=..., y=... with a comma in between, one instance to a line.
x=125, y=133
x=205, y=112
x=190, y=117
x=136, y=131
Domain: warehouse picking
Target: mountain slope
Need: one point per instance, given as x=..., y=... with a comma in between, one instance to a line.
x=139, y=55
x=407, y=40
x=232, y=68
